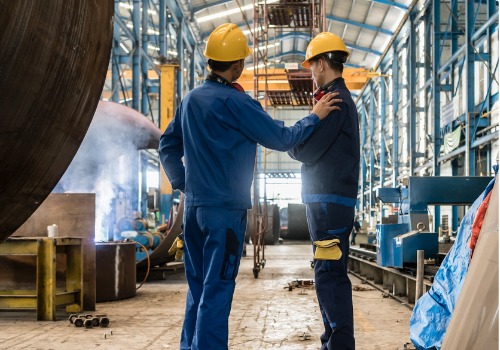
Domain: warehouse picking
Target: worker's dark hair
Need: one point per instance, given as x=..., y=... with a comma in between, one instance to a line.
x=334, y=59
x=220, y=66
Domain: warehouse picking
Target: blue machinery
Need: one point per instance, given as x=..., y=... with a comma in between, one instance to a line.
x=397, y=243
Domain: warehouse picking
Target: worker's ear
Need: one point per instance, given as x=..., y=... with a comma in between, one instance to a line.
x=237, y=68
x=239, y=65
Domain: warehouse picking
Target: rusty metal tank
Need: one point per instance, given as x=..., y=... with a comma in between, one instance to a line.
x=53, y=61
x=116, y=273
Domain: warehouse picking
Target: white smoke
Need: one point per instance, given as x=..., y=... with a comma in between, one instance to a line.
x=107, y=164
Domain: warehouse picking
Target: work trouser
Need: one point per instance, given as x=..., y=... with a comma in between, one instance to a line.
x=327, y=221
x=213, y=242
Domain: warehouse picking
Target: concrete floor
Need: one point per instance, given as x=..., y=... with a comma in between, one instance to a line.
x=265, y=315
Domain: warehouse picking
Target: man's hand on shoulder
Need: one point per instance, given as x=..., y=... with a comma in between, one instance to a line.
x=327, y=104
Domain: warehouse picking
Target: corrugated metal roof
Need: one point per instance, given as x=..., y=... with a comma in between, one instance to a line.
x=365, y=26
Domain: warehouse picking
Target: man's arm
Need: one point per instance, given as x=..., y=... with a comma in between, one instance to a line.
x=171, y=151
x=248, y=116
x=323, y=137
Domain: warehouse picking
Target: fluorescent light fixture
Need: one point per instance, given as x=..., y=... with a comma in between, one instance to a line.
x=228, y=12
x=260, y=65
x=248, y=31
x=152, y=47
x=126, y=6
x=150, y=31
x=267, y=46
x=131, y=7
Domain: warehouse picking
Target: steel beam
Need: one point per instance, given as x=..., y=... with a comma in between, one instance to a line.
x=363, y=158
x=411, y=59
x=360, y=25
x=136, y=54
x=395, y=121
x=372, y=148
x=383, y=106
x=469, y=93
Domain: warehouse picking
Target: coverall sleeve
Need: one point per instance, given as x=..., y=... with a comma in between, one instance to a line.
x=248, y=116
x=171, y=151
x=325, y=135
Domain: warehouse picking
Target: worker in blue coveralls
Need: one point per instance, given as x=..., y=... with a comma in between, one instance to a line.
x=216, y=129
x=330, y=170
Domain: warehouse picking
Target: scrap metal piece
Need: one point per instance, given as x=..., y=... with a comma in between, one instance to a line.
x=159, y=255
x=53, y=61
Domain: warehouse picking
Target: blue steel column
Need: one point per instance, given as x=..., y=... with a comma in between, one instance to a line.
x=395, y=107
x=363, y=157
x=382, y=124
x=144, y=105
x=454, y=49
x=180, y=54
x=427, y=70
x=144, y=63
x=492, y=10
x=412, y=122
x=163, y=23
x=115, y=70
x=144, y=185
x=454, y=28
x=115, y=59
x=454, y=209
x=469, y=95
x=372, y=149
x=136, y=56
x=191, y=70
x=436, y=97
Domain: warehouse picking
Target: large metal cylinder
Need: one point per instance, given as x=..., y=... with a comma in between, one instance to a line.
x=115, y=271
x=272, y=234
x=297, y=223
x=53, y=61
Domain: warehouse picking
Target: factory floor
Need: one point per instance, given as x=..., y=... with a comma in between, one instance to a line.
x=265, y=314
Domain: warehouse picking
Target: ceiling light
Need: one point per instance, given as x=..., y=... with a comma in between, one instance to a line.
x=228, y=12
x=131, y=7
x=153, y=47
x=259, y=66
x=267, y=46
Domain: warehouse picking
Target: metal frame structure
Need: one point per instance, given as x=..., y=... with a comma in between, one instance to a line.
x=149, y=34
x=440, y=74
x=283, y=19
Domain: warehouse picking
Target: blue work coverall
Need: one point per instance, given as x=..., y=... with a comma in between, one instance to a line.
x=216, y=129
x=330, y=172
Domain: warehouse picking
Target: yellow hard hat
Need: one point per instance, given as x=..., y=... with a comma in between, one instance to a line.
x=227, y=43
x=322, y=43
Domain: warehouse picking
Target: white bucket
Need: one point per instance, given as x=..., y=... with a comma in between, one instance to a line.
x=52, y=230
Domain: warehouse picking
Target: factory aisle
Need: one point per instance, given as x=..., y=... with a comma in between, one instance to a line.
x=265, y=314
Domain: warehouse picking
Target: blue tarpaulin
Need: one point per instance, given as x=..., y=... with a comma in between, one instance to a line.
x=432, y=312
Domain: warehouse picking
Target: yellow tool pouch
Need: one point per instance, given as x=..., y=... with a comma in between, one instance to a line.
x=178, y=244
x=327, y=250
x=177, y=248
